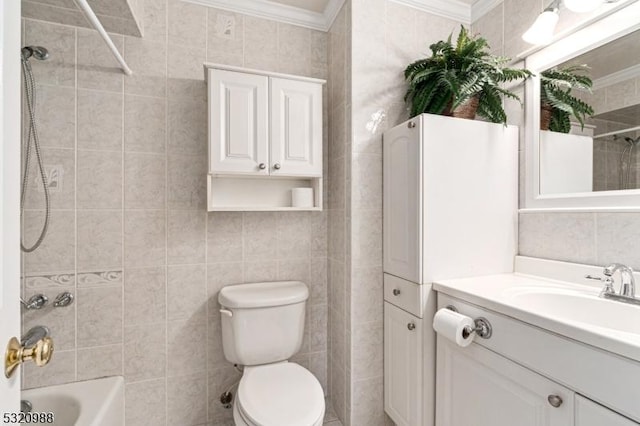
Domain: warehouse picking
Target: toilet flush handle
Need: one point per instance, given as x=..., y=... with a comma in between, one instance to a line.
x=226, y=312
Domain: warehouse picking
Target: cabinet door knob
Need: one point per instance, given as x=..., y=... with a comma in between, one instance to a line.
x=411, y=125
x=262, y=166
x=396, y=292
x=411, y=326
x=276, y=166
x=554, y=400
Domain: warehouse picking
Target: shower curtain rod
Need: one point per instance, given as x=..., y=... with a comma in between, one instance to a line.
x=93, y=19
x=617, y=132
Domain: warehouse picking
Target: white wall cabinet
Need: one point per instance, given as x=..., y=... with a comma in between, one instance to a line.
x=265, y=138
x=238, y=123
x=296, y=127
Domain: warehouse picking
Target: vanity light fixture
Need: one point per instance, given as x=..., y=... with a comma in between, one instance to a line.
x=541, y=32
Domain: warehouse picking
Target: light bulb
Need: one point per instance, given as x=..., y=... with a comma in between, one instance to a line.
x=541, y=32
x=583, y=6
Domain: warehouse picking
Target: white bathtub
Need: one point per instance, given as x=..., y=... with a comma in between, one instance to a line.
x=98, y=402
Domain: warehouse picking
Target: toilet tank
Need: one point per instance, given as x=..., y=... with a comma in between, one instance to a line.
x=262, y=323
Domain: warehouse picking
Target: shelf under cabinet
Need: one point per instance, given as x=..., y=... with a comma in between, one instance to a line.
x=251, y=193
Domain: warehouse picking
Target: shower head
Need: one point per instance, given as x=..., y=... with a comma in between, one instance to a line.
x=632, y=141
x=37, y=52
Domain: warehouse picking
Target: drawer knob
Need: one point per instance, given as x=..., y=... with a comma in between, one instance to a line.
x=276, y=166
x=411, y=125
x=554, y=400
x=262, y=166
x=396, y=292
x=411, y=326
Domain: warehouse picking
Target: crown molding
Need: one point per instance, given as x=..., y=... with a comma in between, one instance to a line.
x=451, y=9
x=617, y=77
x=271, y=10
x=482, y=7
x=331, y=12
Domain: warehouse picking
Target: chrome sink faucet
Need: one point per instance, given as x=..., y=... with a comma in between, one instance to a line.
x=627, y=291
x=628, y=286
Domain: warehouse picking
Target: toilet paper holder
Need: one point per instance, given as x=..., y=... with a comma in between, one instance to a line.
x=483, y=327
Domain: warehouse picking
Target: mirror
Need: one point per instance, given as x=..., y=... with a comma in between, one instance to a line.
x=583, y=145
x=601, y=153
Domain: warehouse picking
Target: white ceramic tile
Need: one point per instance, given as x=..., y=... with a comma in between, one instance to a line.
x=99, y=240
x=60, y=170
x=57, y=250
x=144, y=181
x=186, y=291
x=144, y=238
x=187, y=24
x=151, y=395
x=99, y=180
x=187, y=400
x=56, y=116
x=99, y=316
x=186, y=236
x=101, y=361
x=144, y=296
x=145, y=124
x=224, y=237
x=141, y=362
x=97, y=69
x=99, y=120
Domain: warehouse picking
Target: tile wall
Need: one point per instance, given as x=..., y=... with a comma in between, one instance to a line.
x=130, y=235
x=591, y=238
x=339, y=225
x=386, y=37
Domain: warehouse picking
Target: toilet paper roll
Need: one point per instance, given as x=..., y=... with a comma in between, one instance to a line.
x=302, y=197
x=451, y=325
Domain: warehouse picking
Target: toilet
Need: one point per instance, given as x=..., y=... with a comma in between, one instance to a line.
x=262, y=327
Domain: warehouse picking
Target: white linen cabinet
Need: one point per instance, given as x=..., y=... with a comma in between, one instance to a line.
x=265, y=138
x=450, y=210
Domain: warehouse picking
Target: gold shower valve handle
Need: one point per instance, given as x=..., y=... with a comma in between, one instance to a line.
x=17, y=354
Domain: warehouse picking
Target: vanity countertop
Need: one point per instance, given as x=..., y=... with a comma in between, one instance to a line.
x=571, y=310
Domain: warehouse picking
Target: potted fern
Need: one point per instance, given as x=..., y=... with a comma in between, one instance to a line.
x=557, y=103
x=461, y=80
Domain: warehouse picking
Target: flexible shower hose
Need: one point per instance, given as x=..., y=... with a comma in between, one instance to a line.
x=30, y=92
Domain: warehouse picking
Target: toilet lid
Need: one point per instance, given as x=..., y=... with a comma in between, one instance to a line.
x=283, y=394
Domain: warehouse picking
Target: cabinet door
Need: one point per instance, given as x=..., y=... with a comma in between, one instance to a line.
x=238, y=123
x=296, y=128
x=480, y=388
x=402, y=187
x=588, y=413
x=402, y=366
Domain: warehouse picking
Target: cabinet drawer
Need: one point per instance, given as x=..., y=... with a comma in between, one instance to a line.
x=405, y=294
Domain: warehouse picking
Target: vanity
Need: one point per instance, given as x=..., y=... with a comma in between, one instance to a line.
x=558, y=355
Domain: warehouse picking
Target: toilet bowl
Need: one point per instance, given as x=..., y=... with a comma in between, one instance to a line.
x=283, y=394
x=262, y=327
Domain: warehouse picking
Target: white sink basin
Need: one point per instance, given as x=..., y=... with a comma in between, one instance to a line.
x=572, y=310
x=578, y=307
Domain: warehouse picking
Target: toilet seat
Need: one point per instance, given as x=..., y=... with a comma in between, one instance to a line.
x=282, y=394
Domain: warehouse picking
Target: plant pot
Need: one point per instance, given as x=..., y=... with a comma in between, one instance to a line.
x=545, y=116
x=466, y=110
